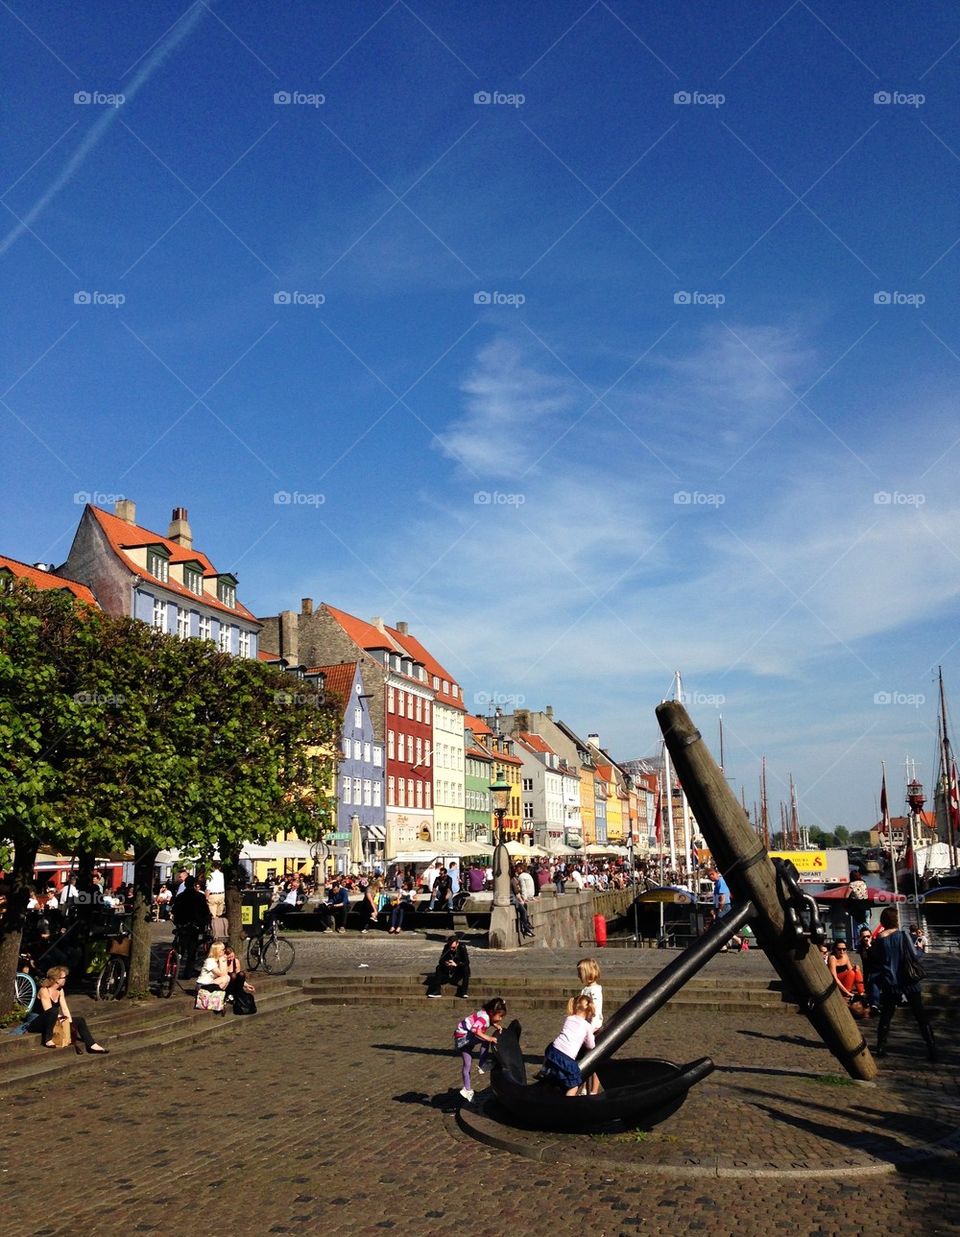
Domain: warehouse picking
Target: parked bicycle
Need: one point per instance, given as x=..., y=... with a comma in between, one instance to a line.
x=270, y=949
x=26, y=990
x=111, y=983
x=181, y=957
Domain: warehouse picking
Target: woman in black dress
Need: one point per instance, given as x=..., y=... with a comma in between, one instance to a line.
x=54, y=1009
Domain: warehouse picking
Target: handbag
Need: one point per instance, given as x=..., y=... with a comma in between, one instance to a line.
x=243, y=1003
x=210, y=999
x=911, y=972
x=62, y=1036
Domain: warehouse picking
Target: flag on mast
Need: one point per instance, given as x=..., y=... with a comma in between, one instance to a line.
x=658, y=821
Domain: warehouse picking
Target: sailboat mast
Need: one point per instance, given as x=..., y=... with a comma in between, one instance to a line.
x=948, y=784
x=721, y=740
x=764, y=818
x=794, y=817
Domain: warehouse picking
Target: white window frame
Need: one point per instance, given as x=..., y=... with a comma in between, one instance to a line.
x=159, y=614
x=345, y=789
x=204, y=627
x=183, y=623
x=377, y=793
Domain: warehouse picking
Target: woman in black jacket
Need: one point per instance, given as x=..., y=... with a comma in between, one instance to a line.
x=888, y=954
x=452, y=968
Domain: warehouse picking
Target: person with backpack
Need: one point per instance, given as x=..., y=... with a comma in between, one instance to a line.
x=481, y=1028
x=895, y=968
x=238, y=991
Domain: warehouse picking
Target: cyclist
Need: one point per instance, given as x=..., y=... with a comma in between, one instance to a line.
x=191, y=917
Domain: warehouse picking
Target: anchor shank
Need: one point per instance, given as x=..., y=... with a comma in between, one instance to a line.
x=654, y=995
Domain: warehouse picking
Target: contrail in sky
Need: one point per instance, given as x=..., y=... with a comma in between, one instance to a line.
x=96, y=131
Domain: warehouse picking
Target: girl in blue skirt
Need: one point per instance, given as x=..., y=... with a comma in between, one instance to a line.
x=560, y=1060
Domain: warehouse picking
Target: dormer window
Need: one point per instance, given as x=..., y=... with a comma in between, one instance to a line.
x=193, y=578
x=158, y=563
x=227, y=590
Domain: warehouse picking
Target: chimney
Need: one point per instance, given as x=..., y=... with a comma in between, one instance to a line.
x=377, y=622
x=521, y=720
x=126, y=509
x=306, y=605
x=549, y=711
x=179, y=530
x=594, y=739
x=403, y=628
x=289, y=637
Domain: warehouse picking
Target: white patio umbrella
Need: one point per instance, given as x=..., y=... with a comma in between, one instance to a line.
x=356, y=841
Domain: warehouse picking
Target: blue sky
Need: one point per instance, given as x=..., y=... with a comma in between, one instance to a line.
x=647, y=360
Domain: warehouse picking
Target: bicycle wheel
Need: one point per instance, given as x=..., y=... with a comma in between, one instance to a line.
x=168, y=976
x=254, y=951
x=277, y=956
x=26, y=990
x=112, y=980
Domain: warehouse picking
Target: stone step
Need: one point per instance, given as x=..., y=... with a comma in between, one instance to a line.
x=525, y=1002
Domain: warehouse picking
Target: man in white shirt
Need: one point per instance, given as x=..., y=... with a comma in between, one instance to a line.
x=575, y=878
x=216, y=895
x=430, y=876
x=527, y=886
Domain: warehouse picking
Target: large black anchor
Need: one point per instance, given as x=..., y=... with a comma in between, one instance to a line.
x=766, y=895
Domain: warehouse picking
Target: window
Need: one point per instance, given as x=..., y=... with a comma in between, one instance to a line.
x=227, y=591
x=391, y=794
x=426, y=796
x=528, y=811
x=419, y=708
x=391, y=699
x=426, y=712
x=401, y=792
x=224, y=640
x=410, y=791
x=158, y=564
x=389, y=745
x=419, y=794
x=377, y=754
x=401, y=703
x=357, y=749
x=366, y=753
x=357, y=790
x=345, y=792
x=159, y=614
x=409, y=749
x=419, y=751
x=528, y=783
x=456, y=692
x=244, y=643
x=377, y=793
x=204, y=627
x=436, y=682
x=446, y=687
x=358, y=718
x=367, y=792
x=346, y=747
x=183, y=623
x=192, y=580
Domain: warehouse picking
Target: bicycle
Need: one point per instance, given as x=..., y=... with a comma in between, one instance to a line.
x=26, y=990
x=187, y=941
x=112, y=981
x=271, y=949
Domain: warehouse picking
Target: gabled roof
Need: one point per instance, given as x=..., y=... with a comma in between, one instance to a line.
x=412, y=646
x=479, y=753
x=476, y=724
x=124, y=536
x=537, y=742
x=46, y=579
x=362, y=633
x=338, y=680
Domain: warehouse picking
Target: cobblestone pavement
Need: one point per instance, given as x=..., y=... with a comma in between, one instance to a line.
x=322, y=1119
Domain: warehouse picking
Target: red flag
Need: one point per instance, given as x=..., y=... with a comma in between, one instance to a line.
x=658, y=821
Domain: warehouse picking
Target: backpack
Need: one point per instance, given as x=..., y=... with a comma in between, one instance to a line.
x=243, y=1003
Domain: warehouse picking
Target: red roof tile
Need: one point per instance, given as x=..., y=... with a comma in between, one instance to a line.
x=122, y=535
x=537, y=742
x=365, y=634
x=479, y=753
x=476, y=724
x=47, y=579
x=419, y=653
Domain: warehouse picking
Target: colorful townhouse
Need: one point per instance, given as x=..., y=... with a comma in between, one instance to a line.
x=161, y=580
x=580, y=828
x=360, y=771
x=401, y=705
x=478, y=774
x=542, y=790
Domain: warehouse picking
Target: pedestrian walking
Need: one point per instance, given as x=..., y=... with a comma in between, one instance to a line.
x=895, y=966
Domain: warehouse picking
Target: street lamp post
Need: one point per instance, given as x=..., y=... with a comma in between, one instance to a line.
x=503, y=928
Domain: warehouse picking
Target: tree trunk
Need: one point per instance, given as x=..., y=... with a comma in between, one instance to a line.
x=11, y=923
x=141, y=932
x=232, y=881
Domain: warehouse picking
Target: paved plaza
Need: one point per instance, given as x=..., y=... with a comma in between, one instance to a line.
x=344, y=1119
